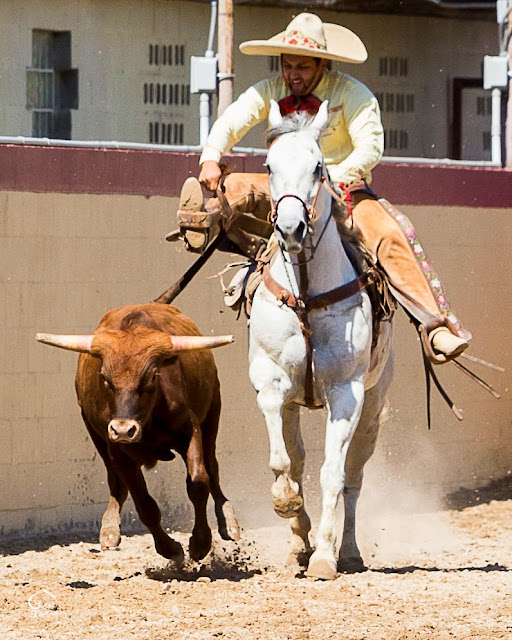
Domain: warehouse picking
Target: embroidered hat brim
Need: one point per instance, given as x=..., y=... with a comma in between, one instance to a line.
x=333, y=43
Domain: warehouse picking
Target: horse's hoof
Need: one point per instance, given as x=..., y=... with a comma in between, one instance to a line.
x=288, y=509
x=287, y=500
x=351, y=565
x=110, y=538
x=322, y=566
x=229, y=529
x=170, y=549
x=200, y=544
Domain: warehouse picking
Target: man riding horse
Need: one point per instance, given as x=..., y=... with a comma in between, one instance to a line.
x=352, y=145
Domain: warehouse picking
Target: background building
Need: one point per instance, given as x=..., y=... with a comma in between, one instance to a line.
x=119, y=69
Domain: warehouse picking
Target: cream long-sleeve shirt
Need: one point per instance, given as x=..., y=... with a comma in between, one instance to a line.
x=352, y=142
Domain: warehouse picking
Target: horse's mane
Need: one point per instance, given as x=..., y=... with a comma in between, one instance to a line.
x=296, y=121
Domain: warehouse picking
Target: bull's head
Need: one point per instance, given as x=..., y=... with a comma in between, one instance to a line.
x=130, y=365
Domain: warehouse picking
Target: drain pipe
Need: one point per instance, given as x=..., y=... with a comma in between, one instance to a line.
x=496, y=127
x=205, y=107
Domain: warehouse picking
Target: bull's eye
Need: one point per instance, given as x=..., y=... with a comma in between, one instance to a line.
x=149, y=379
x=107, y=382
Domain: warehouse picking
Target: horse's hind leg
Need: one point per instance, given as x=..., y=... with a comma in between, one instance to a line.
x=345, y=403
x=300, y=548
x=361, y=449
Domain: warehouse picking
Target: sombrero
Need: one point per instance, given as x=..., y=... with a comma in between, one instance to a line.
x=307, y=35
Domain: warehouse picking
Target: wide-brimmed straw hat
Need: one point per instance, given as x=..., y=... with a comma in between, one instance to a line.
x=307, y=35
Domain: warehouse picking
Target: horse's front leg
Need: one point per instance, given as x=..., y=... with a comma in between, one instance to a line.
x=345, y=403
x=286, y=494
x=300, y=548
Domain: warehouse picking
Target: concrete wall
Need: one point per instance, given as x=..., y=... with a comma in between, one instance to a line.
x=110, y=48
x=66, y=258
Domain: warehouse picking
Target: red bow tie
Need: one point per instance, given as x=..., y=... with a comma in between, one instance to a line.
x=290, y=104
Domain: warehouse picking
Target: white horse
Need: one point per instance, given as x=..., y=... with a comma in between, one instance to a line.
x=344, y=374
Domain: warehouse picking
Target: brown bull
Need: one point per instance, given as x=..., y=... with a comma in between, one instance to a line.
x=147, y=385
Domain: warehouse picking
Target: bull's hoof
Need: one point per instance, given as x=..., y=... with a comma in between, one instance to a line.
x=110, y=538
x=287, y=500
x=354, y=564
x=170, y=549
x=322, y=566
x=200, y=544
x=229, y=529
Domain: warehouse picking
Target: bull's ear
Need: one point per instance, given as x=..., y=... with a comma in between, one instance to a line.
x=320, y=120
x=193, y=343
x=80, y=343
x=274, y=117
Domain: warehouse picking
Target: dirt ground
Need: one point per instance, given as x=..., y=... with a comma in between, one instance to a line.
x=443, y=574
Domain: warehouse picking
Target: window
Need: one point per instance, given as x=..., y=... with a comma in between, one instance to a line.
x=396, y=139
x=395, y=102
x=52, y=86
x=393, y=66
x=165, y=93
x=483, y=105
x=273, y=63
x=166, y=133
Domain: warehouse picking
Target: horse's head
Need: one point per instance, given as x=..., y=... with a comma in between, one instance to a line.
x=296, y=167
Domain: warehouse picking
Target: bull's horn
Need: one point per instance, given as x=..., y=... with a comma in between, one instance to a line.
x=191, y=343
x=72, y=343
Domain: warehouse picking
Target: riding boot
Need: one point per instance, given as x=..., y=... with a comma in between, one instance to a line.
x=395, y=245
x=247, y=194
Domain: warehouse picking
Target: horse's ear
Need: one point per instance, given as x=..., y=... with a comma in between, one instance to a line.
x=274, y=117
x=321, y=118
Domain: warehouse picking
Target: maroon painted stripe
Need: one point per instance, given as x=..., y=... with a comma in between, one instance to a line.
x=115, y=171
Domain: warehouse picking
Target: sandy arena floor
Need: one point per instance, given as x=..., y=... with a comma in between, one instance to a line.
x=446, y=574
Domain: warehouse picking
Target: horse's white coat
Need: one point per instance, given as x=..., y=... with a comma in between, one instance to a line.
x=341, y=341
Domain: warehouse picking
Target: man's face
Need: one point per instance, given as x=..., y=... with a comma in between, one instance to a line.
x=299, y=72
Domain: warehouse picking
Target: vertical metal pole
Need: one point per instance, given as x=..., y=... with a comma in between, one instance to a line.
x=225, y=47
x=205, y=105
x=204, y=118
x=496, y=127
x=508, y=127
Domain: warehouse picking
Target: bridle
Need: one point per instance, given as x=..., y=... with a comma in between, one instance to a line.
x=303, y=304
x=309, y=212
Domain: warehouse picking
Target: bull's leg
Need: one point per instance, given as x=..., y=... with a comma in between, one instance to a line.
x=147, y=508
x=229, y=529
x=110, y=532
x=198, y=489
x=345, y=403
x=300, y=548
x=286, y=494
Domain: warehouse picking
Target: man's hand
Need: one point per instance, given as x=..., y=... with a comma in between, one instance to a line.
x=210, y=175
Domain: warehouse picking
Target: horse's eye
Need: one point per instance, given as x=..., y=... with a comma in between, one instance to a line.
x=268, y=169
